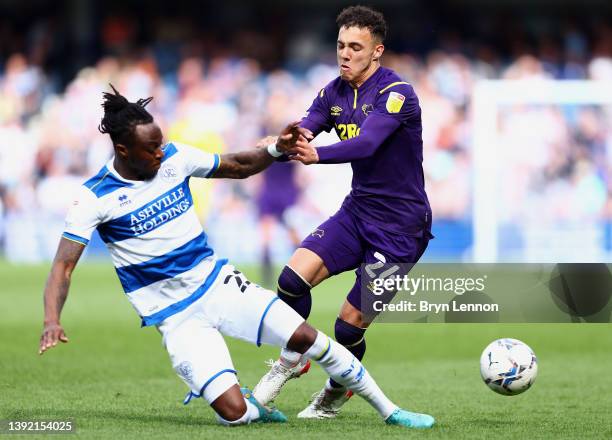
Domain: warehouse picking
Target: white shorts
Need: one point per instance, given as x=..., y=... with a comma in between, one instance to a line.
x=233, y=306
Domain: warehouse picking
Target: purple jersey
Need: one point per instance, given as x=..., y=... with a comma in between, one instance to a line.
x=379, y=125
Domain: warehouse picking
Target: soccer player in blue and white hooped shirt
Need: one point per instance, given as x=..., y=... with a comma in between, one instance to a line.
x=141, y=205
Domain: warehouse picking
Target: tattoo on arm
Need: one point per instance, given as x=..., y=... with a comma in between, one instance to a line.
x=58, y=283
x=243, y=164
x=69, y=252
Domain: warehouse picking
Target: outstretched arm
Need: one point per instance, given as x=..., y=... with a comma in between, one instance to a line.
x=396, y=104
x=243, y=164
x=246, y=163
x=373, y=133
x=56, y=292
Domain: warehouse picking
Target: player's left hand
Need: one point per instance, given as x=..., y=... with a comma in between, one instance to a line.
x=52, y=334
x=304, y=152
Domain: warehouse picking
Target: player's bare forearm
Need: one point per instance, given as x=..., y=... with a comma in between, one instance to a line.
x=56, y=292
x=246, y=163
x=56, y=289
x=243, y=164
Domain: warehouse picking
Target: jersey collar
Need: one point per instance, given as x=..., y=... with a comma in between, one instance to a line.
x=116, y=174
x=372, y=80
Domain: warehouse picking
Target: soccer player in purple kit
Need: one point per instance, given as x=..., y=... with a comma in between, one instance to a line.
x=386, y=217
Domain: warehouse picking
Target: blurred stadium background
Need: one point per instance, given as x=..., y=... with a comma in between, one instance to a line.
x=516, y=170
x=225, y=74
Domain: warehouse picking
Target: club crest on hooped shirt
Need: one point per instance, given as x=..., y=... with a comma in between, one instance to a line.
x=168, y=173
x=395, y=102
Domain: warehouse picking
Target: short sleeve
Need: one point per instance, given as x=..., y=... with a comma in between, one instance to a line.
x=198, y=163
x=399, y=101
x=83, y=217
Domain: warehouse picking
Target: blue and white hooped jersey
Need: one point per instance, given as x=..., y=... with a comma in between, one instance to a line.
x=155, y=239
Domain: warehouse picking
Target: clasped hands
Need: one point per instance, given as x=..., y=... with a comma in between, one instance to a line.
x=294, y=141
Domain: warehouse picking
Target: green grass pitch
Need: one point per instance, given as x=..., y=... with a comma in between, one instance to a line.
x=115, y=381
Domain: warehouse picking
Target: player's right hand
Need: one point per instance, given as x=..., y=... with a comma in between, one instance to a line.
x=290, y=135
x=263, y=143
x=52, y=333
x=304, y=152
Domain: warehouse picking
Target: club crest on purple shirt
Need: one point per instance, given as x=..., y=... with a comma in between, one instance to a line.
x=318, y=233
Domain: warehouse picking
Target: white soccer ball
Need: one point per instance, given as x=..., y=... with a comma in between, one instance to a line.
x=508, y=366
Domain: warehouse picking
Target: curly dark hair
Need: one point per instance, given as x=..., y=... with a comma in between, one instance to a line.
x=363, y=17
x=121, y=116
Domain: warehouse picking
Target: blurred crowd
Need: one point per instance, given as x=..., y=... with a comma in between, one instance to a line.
x=560, y=158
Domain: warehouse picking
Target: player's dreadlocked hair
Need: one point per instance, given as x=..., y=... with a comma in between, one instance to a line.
x=121, y=116
x=363, y=17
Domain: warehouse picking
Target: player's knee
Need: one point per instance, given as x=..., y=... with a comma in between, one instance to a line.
x=295, y=291
x=232, y=410
x=303, y=338
x=352, y=337
x=291, y=284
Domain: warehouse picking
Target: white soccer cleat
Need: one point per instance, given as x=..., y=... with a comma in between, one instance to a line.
x=270, y=384
x=325, y=404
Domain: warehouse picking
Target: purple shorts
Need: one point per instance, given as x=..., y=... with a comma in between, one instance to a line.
x=279, y=190
x=345, y=242
x=275, y=207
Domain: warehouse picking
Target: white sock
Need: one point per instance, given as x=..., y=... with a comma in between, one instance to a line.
x=251, y=414
x=344, y=368
x=335, y=389
x=288, y=358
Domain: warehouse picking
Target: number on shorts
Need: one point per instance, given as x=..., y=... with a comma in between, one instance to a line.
x=240, y=279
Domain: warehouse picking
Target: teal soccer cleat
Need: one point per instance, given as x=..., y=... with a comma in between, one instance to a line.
x=409, y=419
x=266, y=415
